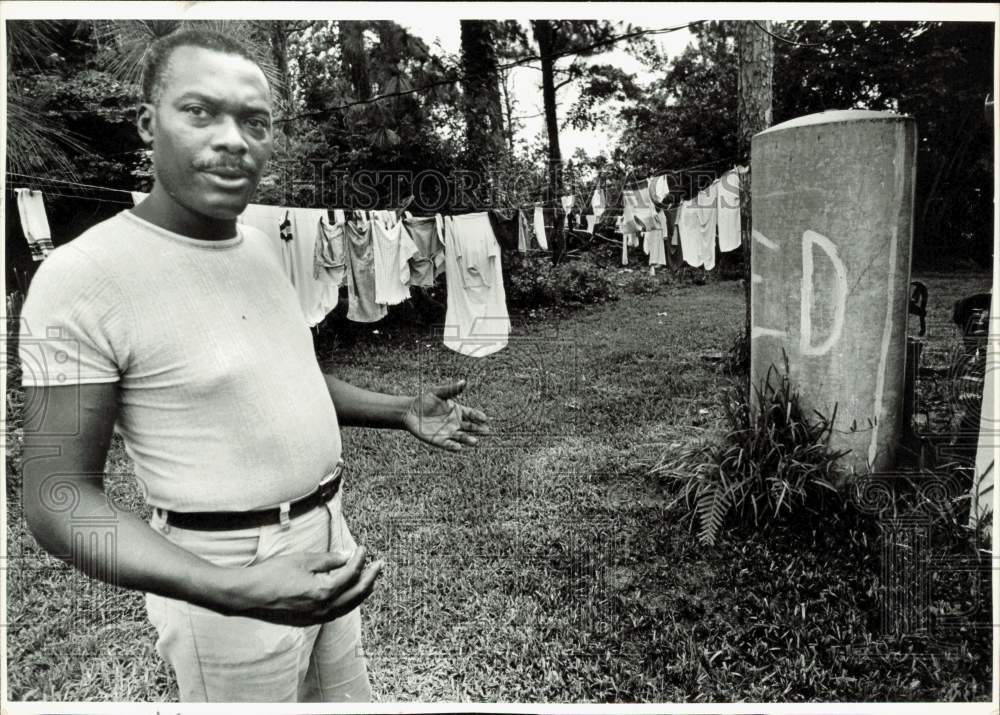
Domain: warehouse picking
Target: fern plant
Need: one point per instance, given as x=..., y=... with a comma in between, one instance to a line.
x=775, y=461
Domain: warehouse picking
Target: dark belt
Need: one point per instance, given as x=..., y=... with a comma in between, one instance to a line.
x=232, y=520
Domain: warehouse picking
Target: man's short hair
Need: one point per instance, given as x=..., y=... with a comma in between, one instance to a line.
x=157, y=57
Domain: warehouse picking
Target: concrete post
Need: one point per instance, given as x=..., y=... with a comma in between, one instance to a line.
x=832, y=234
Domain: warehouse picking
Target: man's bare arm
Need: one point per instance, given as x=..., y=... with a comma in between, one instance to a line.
x=357, y=407
x=66, y=443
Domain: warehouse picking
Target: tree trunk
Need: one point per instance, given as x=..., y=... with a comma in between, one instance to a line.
x=278, y=32
x=544, y=33
x=755, y=96
x=481, y=95
x=354, y=59
x=508, y=107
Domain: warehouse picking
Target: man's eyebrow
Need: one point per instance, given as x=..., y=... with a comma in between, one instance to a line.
x=251, y=106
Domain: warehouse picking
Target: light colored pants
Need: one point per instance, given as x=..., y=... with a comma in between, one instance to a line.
x=220, y=658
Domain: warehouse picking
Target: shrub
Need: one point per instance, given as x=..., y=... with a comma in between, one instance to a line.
x=532, y=281
x=773, y=461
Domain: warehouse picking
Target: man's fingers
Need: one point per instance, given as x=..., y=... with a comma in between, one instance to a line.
x=472, y=415
x=475, y=427
x=446, y=392
x=345, y=577
x=353, y=597
x=327, y=561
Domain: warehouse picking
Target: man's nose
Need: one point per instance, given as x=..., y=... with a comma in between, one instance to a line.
x=229, y=136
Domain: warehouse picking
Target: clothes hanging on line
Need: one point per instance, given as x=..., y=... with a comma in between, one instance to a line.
x=653, y=242
x=728, y=192
x=698, y=219
x=639, y=212
x=392, y=249
x=567, y=203
x=361, y=304
x=523, y=231
x=659, y=191
x=330, y=259
x=34, y=222
x=539, y=225
x=476, y=322
x=598, y=203
x=428, y=262
x=505, y=227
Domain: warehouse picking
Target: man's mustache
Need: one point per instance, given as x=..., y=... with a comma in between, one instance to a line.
x=226, y=166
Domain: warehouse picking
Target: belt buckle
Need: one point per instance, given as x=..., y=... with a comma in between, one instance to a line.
x=328, y=485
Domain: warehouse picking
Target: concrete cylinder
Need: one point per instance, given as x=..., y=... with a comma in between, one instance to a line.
x=832, y=202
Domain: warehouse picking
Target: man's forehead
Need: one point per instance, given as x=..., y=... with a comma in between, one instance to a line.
x=211, y=73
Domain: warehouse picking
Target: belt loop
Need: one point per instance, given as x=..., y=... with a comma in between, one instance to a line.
x=286, y=521
x=160, y=518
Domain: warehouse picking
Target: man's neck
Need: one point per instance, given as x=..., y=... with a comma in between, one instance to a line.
x=161, y=210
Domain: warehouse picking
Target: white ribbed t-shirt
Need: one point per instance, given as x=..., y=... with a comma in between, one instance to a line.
x=222, y=404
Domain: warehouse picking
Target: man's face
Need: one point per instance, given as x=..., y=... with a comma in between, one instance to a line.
x=210, y=129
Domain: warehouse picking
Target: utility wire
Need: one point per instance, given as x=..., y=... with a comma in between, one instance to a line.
x=785, y=39
x=69, y=183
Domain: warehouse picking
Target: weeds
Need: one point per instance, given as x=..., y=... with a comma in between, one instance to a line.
x=774, y=461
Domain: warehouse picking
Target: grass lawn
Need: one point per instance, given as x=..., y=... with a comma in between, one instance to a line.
x=545, y=564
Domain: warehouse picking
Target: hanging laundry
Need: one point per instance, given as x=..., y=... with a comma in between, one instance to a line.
x=339, y=216
x=428, y=262
x=361, y=307
x=392, y=249
x=728, y=188
x=286, y=235
x=505, y=227
x=539, y=225
x=697, y=220
x=674, y=257
x=329, y=259
x=523, y=231
x=591, y=222
x=639, y=211
x=386, y=218
x=599, y=203
x=653, y=239
x=659, y=191
x=34, y=222
x=567, y=202
x=476, y=322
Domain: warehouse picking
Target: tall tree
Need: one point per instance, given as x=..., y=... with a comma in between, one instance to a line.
x=354, y=57
x=481, y=95
x=754, y=110
x=579, y=39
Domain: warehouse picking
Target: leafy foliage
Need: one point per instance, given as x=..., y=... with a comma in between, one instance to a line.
x=532, y=281
x=938, y=72
x=775, y=462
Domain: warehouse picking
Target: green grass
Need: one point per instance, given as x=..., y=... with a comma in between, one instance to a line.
x=544, y=565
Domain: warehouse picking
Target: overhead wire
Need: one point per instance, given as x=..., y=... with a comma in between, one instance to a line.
x=785, y=39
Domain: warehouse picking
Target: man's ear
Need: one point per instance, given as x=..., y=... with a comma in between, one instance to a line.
x=144, y=121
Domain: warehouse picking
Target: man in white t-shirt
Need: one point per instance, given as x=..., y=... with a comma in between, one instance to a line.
x=178, y=328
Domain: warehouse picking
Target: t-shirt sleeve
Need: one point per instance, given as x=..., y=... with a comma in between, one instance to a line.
x=71, y=328
x=407, y=250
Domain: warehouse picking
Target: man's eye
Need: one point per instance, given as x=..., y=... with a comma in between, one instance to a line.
x=196, y=111
x=258, y=123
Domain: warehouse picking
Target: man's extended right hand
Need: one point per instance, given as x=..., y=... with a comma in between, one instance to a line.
x=302, y=589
